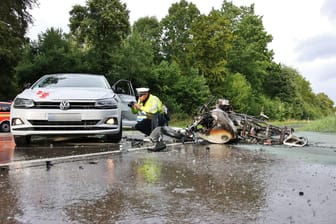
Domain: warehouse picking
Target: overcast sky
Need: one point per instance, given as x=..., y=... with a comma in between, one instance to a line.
x=304, y=32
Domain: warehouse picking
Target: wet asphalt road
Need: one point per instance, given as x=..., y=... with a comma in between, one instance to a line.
x=190, y=183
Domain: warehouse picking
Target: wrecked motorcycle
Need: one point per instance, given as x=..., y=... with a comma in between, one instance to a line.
x=222, y=125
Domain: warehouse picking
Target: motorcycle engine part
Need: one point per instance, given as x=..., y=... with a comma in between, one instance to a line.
x=217, y=135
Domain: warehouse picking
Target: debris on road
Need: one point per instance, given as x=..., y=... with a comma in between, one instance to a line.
x=222, y=125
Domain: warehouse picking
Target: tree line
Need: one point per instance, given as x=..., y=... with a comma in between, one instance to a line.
x=184, y=58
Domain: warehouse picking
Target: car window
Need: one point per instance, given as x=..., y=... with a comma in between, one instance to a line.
x=123, y=87
x=4, y=107
x=86, y=81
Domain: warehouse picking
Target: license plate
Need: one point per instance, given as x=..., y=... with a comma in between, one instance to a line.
x=64, y=117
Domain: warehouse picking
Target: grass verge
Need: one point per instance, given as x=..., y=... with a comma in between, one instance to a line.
x=326, y=124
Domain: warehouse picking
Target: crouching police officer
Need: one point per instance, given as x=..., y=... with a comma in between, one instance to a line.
x=149, y=109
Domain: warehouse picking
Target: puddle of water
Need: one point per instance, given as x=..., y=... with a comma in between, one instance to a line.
x=7, y=146
x=320, y=150
x=50, y=148
x=185, y=184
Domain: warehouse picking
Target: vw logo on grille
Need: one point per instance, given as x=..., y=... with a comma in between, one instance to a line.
x=64, y=105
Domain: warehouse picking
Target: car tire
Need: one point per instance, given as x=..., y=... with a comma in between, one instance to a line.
x=5, y=127
x=115, y=138
x=22, y=140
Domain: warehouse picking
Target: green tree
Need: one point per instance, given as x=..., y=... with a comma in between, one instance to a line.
x=305, y=99
x=249, y=54
x=149, y=29
x=275, y=109
x=182, y=93
x=209, y=49
x=175, y=31
x=14, y=20
x=53, y=52
x=239, y=91
x=279, y=83
x=100, y=27
x=325, y=104
x=134, y=61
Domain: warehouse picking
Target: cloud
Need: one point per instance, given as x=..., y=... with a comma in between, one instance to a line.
x=317, y=47
x=321, y=73
x=326, y=87
x=51, y=14
x=320, y=70
x=328, y=9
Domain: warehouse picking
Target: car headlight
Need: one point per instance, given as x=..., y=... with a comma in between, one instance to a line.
x=23, y=103
x=109, y=103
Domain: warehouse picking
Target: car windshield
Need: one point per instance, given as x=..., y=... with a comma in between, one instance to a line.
x=73, y=81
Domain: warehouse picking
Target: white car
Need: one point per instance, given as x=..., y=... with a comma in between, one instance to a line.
x=72, y=104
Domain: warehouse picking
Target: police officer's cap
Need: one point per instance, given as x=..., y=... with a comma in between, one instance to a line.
x=142, y=90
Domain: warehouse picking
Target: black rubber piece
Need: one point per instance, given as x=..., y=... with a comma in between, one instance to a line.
x=159, y=146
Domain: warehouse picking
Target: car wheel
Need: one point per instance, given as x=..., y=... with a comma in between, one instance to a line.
x=22, y=140
x=5, y=127
x=115, y=138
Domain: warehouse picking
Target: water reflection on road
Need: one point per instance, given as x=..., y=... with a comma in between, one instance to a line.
x=185, y=184
x=50, y=148
x=7, y=146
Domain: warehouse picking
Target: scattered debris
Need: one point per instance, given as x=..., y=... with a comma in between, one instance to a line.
x=49, y=164
x=183, y=190
x=221, y=125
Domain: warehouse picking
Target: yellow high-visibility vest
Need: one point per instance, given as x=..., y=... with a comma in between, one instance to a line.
x=153, y=105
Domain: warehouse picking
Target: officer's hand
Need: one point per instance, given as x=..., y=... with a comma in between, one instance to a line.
x=136, y=106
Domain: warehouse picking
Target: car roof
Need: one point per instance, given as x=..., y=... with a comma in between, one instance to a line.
x=5, y=102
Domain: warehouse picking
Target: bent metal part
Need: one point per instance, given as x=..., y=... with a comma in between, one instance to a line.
x=221, y=125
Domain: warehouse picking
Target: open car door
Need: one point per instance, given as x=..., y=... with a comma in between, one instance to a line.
x=126, y=93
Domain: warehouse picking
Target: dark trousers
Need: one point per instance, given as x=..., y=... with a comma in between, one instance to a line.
x=146, y=126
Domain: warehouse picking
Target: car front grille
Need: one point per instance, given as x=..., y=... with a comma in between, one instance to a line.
x=60, y=128
x=73, y=105
x=44, y=125
x=63, y=123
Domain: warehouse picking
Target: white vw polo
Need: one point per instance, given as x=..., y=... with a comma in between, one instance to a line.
x=72, y=104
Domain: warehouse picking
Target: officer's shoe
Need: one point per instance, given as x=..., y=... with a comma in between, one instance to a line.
x=159, y=146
